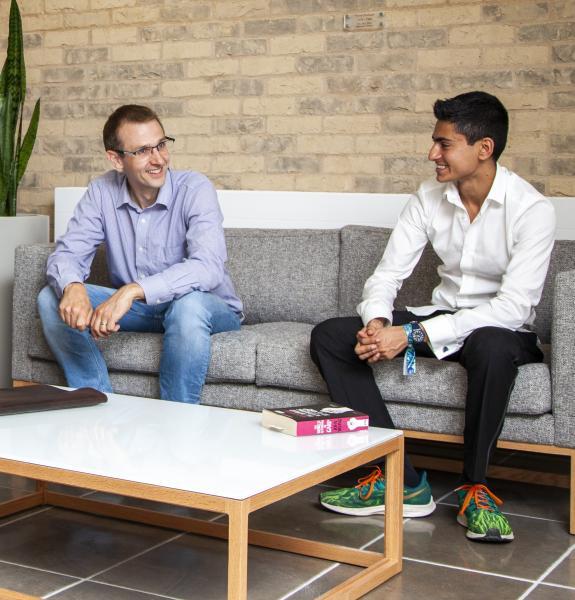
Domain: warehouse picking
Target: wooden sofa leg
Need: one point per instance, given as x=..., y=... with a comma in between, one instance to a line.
x=572, y=495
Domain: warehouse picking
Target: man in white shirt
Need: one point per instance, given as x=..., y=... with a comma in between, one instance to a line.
x=493, y=233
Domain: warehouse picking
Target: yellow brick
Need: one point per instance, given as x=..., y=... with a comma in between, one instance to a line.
x=194, y=87
x=560, y=122
x=44, y=22
x=355, y=124
x=528, y=143
x=43, y=163
x=30, y=7
x=515, y=55
x=297, y=44
x=238, y=164
x=531, y=120
x=267, y=65
x=385, y=144
x=352, y=164
x=75, y=5
x=448, y=58
x=479, y=35
x=523, y=99
x=424, y=101
x=60, y=179
x=101, y=4
x=324, y=183
x=143, y=14
x=299, y=124
x=42, y=56
x=191, y=162
x=115, y=35
x=74, y=37
x=214, y=107
x=269, y=106
x=561, y=186
x=295, y=85
x=33, y=75
x=283, y=182
x=182, y=126
x=422, y=144
x=212, y=68
x=88, y=127
x=325, y=144
x=213, y=144
x=48, y=128
x=406, y=3
x=241, y=8
x=87, y=19
x=448, y=15
x=181, y=50
x=139, y=52
x=396, y=19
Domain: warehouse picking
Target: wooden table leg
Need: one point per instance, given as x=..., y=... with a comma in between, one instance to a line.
x=394, y=505
x=238, y=550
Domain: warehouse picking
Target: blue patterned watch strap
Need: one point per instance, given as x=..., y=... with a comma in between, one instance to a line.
x=409, y=356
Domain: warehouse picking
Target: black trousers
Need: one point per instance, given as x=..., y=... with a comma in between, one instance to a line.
x=491, y=356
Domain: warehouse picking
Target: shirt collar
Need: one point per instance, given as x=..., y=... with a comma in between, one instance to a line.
x=495, y=194
x=164, y=196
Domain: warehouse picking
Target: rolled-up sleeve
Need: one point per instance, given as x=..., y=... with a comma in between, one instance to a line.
x=70, y=262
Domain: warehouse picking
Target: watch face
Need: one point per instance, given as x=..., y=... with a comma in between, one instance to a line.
x=417, y=333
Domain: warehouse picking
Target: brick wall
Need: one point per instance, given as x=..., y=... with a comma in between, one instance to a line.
x=274, y=94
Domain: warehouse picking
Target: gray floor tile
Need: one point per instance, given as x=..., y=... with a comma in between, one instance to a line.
x=30, y=581
x=537, y=545
x=548, y=592
x=99, y=591
x=564, y=572
x=74, y=544
x=192, y=563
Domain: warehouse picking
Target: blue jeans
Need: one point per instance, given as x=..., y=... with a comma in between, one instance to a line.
x=187, y=324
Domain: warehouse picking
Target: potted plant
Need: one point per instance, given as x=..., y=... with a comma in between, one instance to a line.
x=15, y=151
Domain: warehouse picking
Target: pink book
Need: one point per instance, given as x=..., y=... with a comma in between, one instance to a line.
x=315, y=419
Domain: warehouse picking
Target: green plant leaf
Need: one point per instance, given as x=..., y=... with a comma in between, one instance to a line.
x=27, y=146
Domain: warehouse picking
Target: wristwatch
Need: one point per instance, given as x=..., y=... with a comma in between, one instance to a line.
x=417, y=333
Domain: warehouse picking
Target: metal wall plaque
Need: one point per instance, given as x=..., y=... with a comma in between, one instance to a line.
x=363, y=21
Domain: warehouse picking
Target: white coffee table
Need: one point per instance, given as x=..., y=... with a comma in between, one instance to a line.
x=203, y=457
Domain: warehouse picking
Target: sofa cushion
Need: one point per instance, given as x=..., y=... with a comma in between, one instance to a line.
x=443, y=383
x=361, y=250
x=285, y=275
x=233, y=353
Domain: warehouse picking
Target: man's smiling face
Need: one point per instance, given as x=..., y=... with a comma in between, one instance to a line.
x=455, y=159
x=146, y=174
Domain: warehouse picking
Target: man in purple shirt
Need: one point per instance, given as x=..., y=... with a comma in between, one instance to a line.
x=166, y=257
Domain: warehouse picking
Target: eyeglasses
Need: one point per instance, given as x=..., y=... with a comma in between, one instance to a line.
x=162, y=147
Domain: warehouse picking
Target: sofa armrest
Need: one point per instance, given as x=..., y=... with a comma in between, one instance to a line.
x=563, y=358
x=29, y=279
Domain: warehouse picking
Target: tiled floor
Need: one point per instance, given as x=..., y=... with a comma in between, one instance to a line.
x=66, y=555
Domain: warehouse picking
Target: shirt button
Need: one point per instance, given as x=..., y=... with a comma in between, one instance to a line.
x=445, y=348
x=143, y=220
x=141, y=249
x=158, y=301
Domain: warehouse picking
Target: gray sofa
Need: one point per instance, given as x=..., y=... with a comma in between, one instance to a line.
x=290, y=280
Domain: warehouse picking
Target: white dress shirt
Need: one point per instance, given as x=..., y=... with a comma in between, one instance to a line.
x=493, y=269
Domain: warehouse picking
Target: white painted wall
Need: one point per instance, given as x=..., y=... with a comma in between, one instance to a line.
x=305, y=210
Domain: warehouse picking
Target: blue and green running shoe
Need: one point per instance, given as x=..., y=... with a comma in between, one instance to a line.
x=368, y=497
x=479, y=512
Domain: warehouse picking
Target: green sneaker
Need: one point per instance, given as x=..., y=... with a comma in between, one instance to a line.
x=368, y=496
x=479, y=512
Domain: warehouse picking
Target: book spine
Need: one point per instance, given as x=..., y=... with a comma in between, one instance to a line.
x=335, y=425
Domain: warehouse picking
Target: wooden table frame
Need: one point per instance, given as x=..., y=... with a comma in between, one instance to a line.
x=377, y=567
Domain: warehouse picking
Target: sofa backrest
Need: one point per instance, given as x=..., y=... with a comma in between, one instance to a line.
x=285, y=274
x=362, y=248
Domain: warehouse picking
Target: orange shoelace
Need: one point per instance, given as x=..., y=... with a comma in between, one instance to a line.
x=480, y=494
x=370, y=480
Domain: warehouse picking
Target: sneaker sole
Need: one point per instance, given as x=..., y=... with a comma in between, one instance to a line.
x=409, y=510
x=493, y=536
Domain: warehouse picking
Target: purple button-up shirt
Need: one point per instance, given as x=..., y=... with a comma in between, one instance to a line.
x=170, y=248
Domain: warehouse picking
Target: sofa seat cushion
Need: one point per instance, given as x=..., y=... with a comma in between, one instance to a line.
x=444, y=384
x=233, y=353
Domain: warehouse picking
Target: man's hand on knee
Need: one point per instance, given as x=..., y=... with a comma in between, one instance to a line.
x=105, y=317
x=75, y=308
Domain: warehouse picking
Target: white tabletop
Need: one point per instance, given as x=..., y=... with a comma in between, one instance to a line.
x=202, y=449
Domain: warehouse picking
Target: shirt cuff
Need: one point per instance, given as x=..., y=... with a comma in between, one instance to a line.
x=373, y=310
x=441, y=336
x=156, y=290
x=67, y=280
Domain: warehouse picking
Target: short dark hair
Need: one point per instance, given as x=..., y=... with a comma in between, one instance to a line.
x=476, y=115
x=128, y=113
